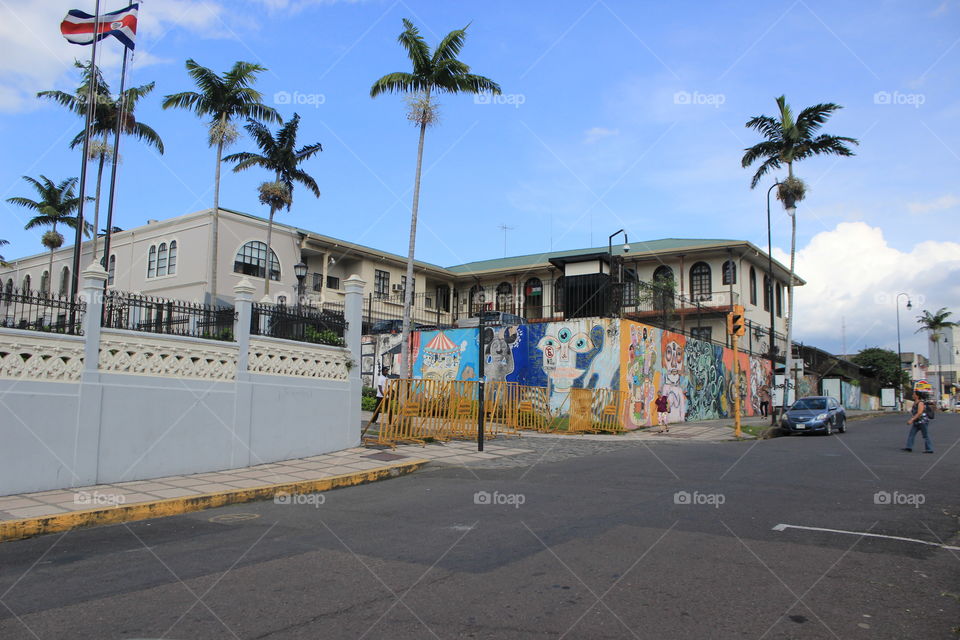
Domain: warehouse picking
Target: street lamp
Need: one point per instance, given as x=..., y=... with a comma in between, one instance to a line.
x=300, y=270
x=626, y=249
x=899, y=356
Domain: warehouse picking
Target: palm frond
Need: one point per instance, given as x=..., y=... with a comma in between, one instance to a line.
x=146, y=134
x=451, y=45
x=768, y=165
x=398, y=82
x=813, y=118
x=190, y=100
x=415, y=46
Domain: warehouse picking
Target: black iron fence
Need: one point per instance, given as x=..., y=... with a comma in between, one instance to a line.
x=382, y=313
x=175, y=317
x=36, y=311
x=319, y=325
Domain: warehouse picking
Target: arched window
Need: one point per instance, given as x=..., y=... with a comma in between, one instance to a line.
x=8, y=291
x=476, y=300
x=753, y=286
x=25, y=289
x=504, y=293
x=64, y=281
x=251, y=260
x=729, y=272
x=663, y=287
x=700, y=281
x=111, y=269
x=779, y=300
x=45, y=283
x=766, y=293
x=533, y=299
x=172, y=258
x=162, y=260
x=152, y=263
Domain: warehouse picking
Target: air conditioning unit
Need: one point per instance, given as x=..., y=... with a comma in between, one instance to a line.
x=397, y=287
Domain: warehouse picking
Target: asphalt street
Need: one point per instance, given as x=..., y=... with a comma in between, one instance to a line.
x=669, y=540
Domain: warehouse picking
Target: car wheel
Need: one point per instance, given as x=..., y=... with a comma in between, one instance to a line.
x=829, y=429
x=843, y=425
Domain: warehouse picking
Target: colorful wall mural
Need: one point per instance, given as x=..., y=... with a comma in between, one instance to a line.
x=446, y=355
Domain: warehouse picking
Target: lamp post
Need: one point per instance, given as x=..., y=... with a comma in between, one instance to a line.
x=769, y=293
x=300, y=270
x=899, y=355
x=626, y=249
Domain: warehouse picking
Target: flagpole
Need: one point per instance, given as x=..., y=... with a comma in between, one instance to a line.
x=78, y=238
x=116, y=151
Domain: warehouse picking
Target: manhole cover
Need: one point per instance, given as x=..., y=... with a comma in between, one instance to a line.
x=386, y=457
x=230, y=518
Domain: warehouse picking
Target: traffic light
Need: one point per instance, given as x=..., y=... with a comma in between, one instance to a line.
x=736, y=323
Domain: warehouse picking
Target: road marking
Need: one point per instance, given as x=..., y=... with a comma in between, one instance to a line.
x=784, y=527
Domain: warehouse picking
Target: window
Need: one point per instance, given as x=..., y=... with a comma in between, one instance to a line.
x=779, y=300
x=171, y=259
x=504, y=293
x=333, y=282
x=558, y=306
x=25, y=289
x=64, y=281
x=381, y=283
x=700, y=281
x=251, y=260
x=403, y=284
x=152, y=263
x=8, y=291
x=729, y=272
x=111, y=270
x=162, y=260
x=766, y=293
x=443, y=297
x=45, y=283
x=753, y=286
x=701, y=333
x=533, y=299
x=476, y=299
x=317, y=281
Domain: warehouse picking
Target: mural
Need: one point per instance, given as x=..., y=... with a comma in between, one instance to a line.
x=446, y=355
x=499, y=344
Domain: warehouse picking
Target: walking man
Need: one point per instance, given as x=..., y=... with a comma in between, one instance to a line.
x=381, y=386
x=919, y=421
x=765, y=400
x=663, y=413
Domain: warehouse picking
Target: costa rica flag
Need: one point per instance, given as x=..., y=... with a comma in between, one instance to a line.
x=78, y=27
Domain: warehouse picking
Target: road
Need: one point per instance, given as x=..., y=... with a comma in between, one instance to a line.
x=578, y=540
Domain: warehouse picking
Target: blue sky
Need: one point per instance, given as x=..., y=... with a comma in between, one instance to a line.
x=615, y=114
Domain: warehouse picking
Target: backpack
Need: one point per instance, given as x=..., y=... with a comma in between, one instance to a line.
x=928, y=410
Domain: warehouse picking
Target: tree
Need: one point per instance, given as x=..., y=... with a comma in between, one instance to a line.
x=108, y=112
x=56, y=204
x=3, y=262
x=789, y=140
x=222, y=99
x=279, y=155
x=885, y=364
x=439, y=72
x=936, y=323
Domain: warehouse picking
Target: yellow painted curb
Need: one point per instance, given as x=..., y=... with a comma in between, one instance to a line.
x=29, y=527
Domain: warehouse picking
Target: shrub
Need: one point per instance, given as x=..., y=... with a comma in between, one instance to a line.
x=367, y=403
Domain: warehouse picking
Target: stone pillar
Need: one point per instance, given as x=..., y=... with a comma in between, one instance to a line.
x=243, y=302
x=91, y=293
x=353, y=314
x=86, y=466
x=243, y=407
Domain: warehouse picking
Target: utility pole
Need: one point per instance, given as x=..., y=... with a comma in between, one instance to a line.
x=480, y=390
x=736, y=327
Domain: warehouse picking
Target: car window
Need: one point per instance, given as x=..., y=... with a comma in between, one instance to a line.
x=810, y=403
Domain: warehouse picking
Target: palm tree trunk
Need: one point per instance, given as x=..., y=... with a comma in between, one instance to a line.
x=788, y=361
x=266, y=286
x=96, y=200
x=405, y=368
x=215, y=226
x=939, y=377
x=50, y=266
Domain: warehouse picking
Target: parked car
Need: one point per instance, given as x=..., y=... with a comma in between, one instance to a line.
x=393, y=326
x=491, y=319
x=815, y=414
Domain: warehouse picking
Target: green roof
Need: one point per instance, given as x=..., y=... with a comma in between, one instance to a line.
x=637, y=248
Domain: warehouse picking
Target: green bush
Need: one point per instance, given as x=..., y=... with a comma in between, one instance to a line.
x=311, y=334
x=367, y=403
x=369, y=392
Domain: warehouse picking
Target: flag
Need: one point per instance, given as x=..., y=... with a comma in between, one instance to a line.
x=78, y=27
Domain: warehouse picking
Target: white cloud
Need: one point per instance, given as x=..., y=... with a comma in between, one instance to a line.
x=597, y=133
x=943, y=202
x=853, y=277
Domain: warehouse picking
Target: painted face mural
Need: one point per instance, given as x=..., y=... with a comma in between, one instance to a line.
x=604, y=371
x=560, y=349
x=707, y=380
x=498, y=345
x=673, y=354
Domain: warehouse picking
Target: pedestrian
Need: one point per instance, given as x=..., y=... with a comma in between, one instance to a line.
x=381, y=387
x=765, y=400
x=663, y=413
x=919, y=421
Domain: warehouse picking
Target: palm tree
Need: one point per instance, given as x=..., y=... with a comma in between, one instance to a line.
x=935, y=323
x=107, y=113
x=437, y=72
x=56, y=204
x=279, y=155
x=788, y=140
x=3, y=262
x=222, y=99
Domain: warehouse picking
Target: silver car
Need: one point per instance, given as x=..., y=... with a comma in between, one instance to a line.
x=815, y=414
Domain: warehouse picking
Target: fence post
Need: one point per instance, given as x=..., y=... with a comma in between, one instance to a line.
x=92, y=294
x=241, y=454
x=243, y=301
x=353, y=314
x=85, y=469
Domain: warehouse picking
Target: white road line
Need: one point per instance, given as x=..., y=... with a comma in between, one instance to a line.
x=783, y=527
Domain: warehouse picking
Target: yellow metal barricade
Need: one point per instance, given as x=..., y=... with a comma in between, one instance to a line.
x=596, y=410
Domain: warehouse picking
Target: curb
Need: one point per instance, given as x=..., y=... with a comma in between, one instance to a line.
x=30, y=527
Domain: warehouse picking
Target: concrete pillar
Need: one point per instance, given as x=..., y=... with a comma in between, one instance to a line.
x=90, y=401
x=91, y=292
x=243, y=302
x=243, y=407
x=353, y=314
